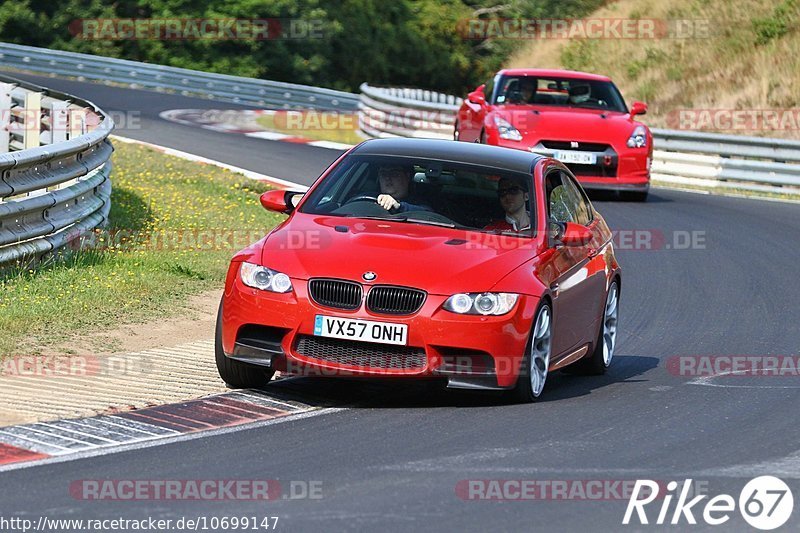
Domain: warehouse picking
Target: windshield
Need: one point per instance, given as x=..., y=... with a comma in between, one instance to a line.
x=418, y=191
x=562, y=92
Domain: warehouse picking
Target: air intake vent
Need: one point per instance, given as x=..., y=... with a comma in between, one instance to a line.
x=388, y=300
x=361, y=354
x=335, y=293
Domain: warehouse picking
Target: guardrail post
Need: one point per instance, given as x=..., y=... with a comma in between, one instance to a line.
x=77, y=121
x=58, y=121
x=58, y=133
x=33, y=120
x=5, y=115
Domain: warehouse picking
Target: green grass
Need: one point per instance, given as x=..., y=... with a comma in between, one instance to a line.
x=149, y=259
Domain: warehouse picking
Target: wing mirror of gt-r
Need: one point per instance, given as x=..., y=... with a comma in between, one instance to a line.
x=477, y=96
x=638, y=108
x=281, y=201
x=571, y=234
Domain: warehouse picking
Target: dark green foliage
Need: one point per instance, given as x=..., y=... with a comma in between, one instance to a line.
x=398, y=42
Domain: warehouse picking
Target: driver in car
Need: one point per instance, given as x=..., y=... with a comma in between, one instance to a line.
x=395, y=182
x=527, y=88
x=523, y=91
x=513, y=196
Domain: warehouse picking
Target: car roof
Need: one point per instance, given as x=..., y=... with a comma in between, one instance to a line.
x=555, y=73
x=452, y=151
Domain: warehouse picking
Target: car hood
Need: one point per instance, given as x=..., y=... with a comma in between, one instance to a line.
x=438, y=260
x=568, y=124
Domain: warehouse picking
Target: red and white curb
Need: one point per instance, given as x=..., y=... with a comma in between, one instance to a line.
x=32, y=443
x=242, y=122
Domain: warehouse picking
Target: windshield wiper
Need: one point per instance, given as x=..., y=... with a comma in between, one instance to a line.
x=406, y=219
x=373, y=217
x=430, y=222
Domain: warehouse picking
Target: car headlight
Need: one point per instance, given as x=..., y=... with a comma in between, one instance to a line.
x=264, y=279
x=506, y=130
x=638, y=138
x=481, y=303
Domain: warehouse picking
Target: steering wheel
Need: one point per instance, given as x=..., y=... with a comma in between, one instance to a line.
x=361, y=198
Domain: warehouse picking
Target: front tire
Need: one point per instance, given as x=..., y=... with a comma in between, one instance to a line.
x=536, y=363
x=236, y=374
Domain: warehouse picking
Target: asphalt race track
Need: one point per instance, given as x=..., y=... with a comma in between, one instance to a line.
x=393, y=457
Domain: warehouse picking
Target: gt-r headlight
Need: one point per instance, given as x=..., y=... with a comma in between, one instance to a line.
x=264, y=279
x=481, y=303
x=638, y=138
x=506, y=130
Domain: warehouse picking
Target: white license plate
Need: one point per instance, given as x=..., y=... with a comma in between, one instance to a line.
x=360, y=330
x=580, y=158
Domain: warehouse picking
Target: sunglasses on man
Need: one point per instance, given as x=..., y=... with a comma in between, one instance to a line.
x=508, y=190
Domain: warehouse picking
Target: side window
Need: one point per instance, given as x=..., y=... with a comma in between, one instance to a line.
x=488, y=89
x=561, y=203
x=565, y=201
x=583, y=209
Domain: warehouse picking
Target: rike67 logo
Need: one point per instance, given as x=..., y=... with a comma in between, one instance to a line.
x=765, y=503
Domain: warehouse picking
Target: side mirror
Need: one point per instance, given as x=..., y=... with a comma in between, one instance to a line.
x=638, y=108
x=575, y=234
x=280, y=201
x=477, y=96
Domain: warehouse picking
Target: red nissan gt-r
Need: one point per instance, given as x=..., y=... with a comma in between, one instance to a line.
x=411, y=258
x=578, y=118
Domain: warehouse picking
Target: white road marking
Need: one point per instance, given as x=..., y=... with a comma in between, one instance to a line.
x=706, y=381
x=330, y=145
x=268, y=135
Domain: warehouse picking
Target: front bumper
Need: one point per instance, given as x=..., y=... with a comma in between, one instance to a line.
x=617, y=168
x=471, y=351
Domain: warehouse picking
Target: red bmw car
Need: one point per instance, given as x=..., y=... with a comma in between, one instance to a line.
x=410, y=258
x=578, y=118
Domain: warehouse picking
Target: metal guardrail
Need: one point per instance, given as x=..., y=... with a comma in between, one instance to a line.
x=395, y=112
x=682, y=157
x=726, y=161
x=54, y=169
x=236, y=89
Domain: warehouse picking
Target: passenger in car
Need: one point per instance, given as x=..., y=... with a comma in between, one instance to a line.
x=513, y=196
x=395, y=184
